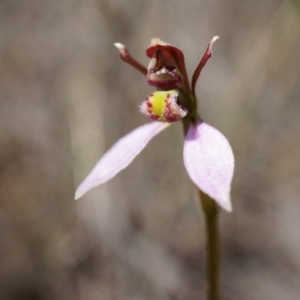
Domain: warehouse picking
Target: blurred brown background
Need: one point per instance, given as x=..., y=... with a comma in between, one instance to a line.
x=66, y=97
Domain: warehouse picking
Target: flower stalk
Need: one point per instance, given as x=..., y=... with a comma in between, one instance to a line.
x=210, y=210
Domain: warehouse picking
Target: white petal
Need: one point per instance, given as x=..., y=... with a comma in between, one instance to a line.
x=119, y=156
x=209, y=161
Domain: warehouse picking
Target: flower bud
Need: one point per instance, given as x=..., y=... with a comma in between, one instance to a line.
x=162, y=106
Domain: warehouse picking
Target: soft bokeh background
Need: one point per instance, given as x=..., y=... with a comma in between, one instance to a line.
x=66, y=97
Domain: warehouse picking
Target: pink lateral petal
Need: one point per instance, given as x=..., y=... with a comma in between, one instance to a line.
x=209, y=161
x=119, y=156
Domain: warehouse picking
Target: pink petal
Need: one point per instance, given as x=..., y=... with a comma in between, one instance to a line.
x=120, y=156
x=209, y=161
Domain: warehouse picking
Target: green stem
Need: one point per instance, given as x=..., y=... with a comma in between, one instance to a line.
x=211, y=219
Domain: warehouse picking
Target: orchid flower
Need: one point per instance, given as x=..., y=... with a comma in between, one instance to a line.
x=207, y=155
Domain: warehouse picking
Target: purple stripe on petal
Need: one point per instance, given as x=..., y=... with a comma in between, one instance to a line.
x=119, y=156
x=209, y=161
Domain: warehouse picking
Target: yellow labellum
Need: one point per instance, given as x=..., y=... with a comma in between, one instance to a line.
x=162, y=106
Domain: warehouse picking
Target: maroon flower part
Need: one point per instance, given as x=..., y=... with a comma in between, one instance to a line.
x=207, y=155
x=166, y=69
x=163, y=72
